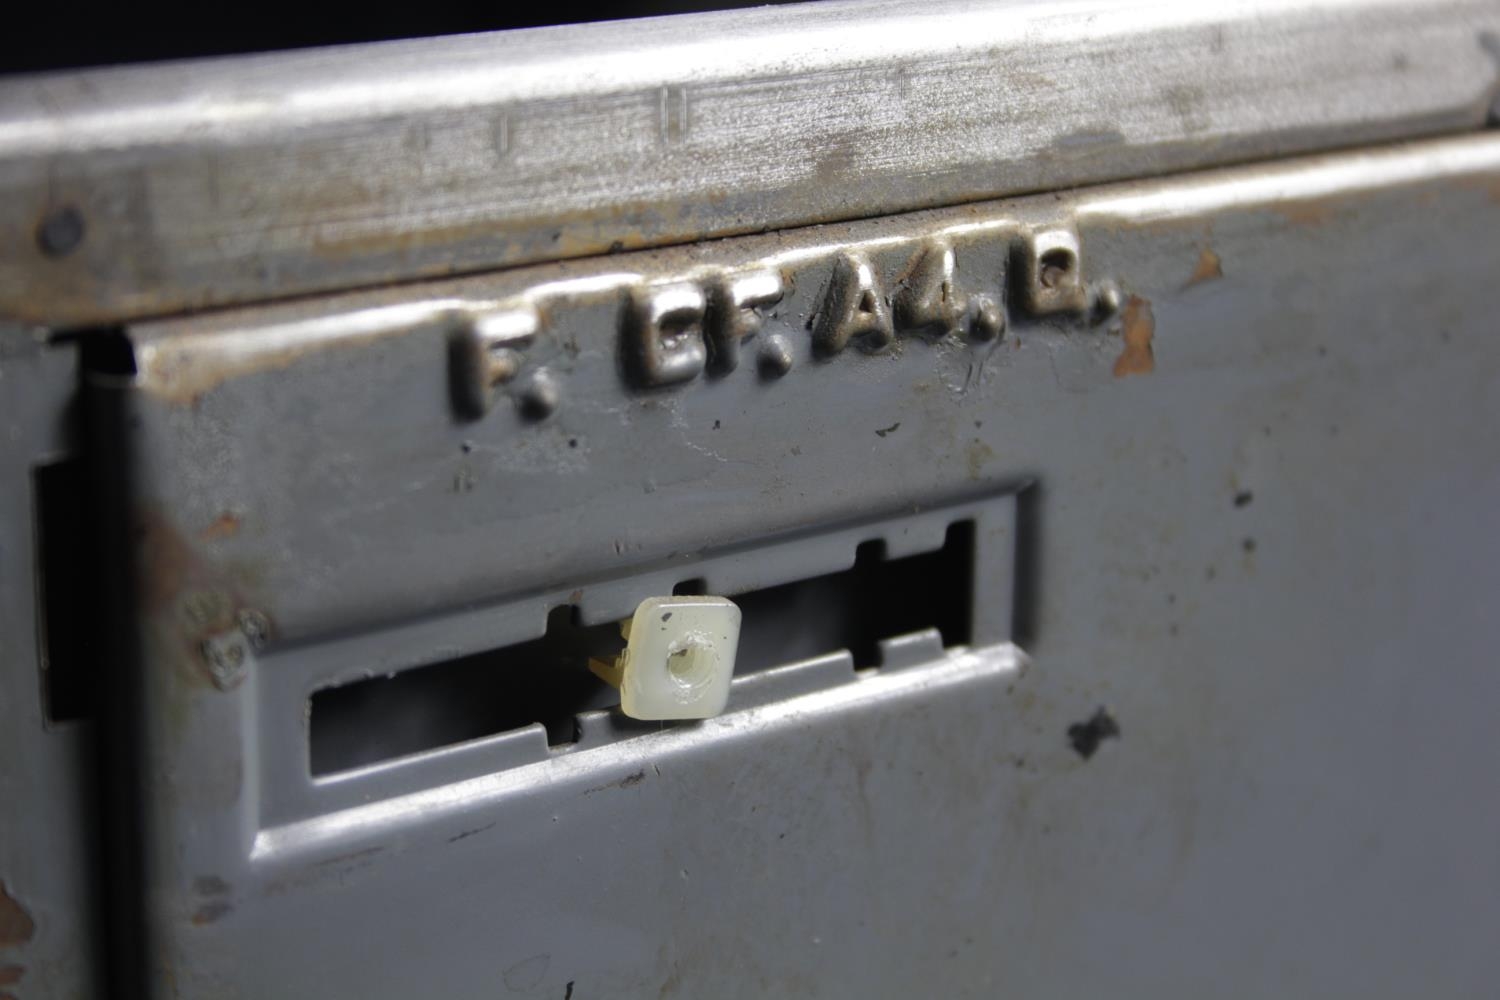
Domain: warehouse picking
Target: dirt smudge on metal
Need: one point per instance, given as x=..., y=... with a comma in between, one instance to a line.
x=1085, y=737
x=527, y=974
x=210, y=885
x=628, y=781
x=1208, y=268
x=340, y=859
x=471, y=833
x=1090, y=140
x=1138, y=328
x=16, y=925
x=210, y=912
x=975, y=455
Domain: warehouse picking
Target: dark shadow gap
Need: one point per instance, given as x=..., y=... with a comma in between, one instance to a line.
x=100, y=35
x=1027, y=595
x=69, y=603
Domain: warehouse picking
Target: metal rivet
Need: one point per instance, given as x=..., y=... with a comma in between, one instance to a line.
x=226, y=658
x=775, y=357
x=255, y=625
x=60, y=231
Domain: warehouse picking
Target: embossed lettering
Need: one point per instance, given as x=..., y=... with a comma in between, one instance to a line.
x=663, y=339
x=732, y=319
x=485, y=352
x=928, y=301
x=853, y=310
x=1050, y=274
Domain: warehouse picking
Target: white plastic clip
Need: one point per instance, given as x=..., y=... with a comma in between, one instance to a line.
x=678, y=658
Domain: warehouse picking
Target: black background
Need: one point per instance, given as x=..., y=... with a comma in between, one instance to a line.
x=69, y=36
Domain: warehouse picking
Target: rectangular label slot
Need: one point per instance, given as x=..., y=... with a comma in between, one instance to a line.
x=547, y=681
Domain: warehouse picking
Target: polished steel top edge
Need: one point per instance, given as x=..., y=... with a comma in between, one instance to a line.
x=154, y=190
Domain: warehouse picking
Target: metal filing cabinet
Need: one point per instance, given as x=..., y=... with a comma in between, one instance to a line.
x=1091, y=408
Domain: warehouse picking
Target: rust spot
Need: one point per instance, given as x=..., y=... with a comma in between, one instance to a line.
x=10, y=975
x=226, y=525
x=209, y=912
x=1208, y=268
x=7, y=996
x=183, y=370
x=170, y=569
x=1314, y=212
x=188, y=599
x=1139, y=327
x=16, y=925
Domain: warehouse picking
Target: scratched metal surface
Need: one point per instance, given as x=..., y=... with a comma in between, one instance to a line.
x=1263, y=524
x=150, y=190
x=50, y=884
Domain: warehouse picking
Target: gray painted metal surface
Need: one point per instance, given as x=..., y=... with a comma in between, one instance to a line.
x=149, y=190
x=1227, y=439
x=49, y=817
x=1263, y=545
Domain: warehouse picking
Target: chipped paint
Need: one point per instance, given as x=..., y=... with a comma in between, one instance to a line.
x=226, y=525
x=1139, y=327
x=1208, y=268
